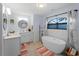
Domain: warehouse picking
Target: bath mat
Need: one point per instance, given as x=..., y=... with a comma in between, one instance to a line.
x=48, y=53
x=24, y=53
x=40, y=51
x=24, y=49
x=24, y=46
x=44, y=52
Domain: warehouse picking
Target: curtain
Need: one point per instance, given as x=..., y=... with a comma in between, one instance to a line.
x=75, y=33
x=73, y=29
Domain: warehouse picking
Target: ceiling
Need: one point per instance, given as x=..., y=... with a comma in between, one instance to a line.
x=24, y=8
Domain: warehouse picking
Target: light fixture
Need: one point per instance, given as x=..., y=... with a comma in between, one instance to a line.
x=23, y=18
x=8, y=11
x=41, y=5
x=4, y=10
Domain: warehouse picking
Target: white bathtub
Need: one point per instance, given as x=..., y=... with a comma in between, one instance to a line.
x=53, y=44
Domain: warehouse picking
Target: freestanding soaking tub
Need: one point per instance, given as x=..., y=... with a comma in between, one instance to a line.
x=53, y=44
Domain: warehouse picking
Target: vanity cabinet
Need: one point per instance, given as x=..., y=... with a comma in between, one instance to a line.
x=11, y=46
x=26, y=37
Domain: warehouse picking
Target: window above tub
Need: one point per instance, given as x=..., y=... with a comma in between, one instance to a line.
x=57, y=23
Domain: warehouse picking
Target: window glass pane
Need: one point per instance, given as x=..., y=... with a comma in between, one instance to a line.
x=52, y=26
x=62, y=26
x=57, y=23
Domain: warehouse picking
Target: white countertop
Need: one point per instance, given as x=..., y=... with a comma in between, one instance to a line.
x=11, y=36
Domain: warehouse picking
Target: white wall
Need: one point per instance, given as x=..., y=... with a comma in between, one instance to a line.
x=63, y=9
x=36, y=27
x=1, y=30
x=41, y=27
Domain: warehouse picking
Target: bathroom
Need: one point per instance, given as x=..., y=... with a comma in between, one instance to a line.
x=39, y=29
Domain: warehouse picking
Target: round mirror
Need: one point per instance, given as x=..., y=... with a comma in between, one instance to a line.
x=22, y=24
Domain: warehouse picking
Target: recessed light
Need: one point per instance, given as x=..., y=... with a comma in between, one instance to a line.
x=41, y=6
